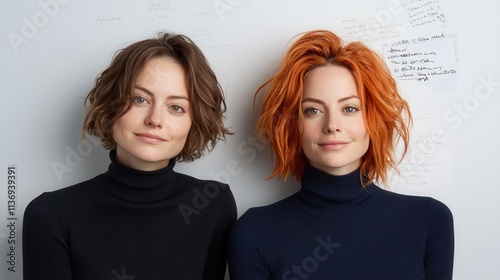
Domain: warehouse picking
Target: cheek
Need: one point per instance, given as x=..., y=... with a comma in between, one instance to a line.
x=300, y=128
x=310, y=129
x=367, y=143
x=365, y=140
x=120, y=124
x=180, y=128
x=116, y=127
x=125, y=124
x=308, y=137
x=357, y=128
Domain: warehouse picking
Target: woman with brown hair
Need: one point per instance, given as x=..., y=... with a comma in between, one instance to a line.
x=157, y=103
x=332, y=115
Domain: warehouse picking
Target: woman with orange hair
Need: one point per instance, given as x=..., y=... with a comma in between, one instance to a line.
x=332, y=116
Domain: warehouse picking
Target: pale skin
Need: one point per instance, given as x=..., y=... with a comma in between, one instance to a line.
x=334, y=136
x=156, y=127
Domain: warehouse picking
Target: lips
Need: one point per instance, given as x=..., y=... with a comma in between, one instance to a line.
x=333, y=145
x=150, y=138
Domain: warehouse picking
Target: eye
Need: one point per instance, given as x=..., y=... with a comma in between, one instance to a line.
x=350, y=109
x=177, y=109
x=139, y=99
x=311, y=111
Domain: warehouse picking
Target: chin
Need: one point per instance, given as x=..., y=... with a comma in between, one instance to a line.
x=151, y=156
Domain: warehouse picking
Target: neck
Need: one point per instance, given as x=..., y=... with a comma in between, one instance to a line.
x=138, y=185
x=323, y=193
x=126, y=159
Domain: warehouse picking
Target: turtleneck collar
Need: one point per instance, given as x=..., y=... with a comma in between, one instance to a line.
x=322, y=193
x=140, y=186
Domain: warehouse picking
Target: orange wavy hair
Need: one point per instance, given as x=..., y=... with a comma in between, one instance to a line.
x=385, y=113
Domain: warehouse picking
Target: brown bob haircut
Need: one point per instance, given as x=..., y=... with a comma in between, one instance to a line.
x=110, y=98
x=382, y=106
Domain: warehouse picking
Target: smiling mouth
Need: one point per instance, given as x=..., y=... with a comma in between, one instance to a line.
x=150, y=138
x=333, y=145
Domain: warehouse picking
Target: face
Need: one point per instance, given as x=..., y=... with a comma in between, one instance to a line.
x=334, y=136
x=155, y=128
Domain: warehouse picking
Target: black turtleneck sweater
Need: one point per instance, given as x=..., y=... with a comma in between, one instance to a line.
x=127, y=224
x=332, y=228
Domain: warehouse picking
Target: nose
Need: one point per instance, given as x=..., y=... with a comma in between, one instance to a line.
x=155, y=117
x=332, y=124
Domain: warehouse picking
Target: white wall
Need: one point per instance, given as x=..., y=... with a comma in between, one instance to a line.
x=52, y=50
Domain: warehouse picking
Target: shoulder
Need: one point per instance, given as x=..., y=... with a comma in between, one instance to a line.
x=38, y=206
x=412, y=200
x=267, y=217
x=64, y=198
x=209, y=189
x=426, y=207
x=277, y=210
x=205, y=199
x=190, y=181
x=259, y=228
x=440, y=214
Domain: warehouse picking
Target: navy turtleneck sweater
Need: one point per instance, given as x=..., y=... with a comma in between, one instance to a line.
x=130, y=224
x=332, y=228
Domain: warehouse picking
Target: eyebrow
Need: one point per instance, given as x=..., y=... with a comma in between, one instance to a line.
x=147, y=91
x=343, y=99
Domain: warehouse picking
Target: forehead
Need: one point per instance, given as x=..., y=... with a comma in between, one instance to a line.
x=161, y=67
x=330, y=81
x=163, y=76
